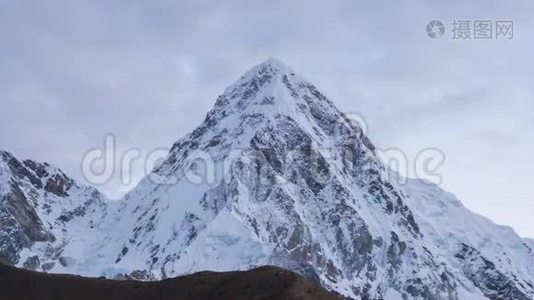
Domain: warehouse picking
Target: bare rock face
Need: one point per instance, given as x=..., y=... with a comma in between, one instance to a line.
x=486, y=276
x=20, y=223
x=275, y=175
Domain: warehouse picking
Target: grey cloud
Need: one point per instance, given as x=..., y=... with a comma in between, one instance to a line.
x=496, y=138
x=148, y=71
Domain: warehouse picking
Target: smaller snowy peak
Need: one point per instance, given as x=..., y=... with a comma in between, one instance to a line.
x=39, y=175
x=43, y=211
x=45, y=189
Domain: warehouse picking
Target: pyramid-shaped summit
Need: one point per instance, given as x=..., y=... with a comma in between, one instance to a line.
x=274, y=66
x=269, y=95
x=276, y=175
x=271, y=87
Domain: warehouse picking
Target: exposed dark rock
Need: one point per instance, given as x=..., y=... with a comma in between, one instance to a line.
x=32, y=263
x=66, y=261
x=485, y=275
x=22, y=225
x=48, y=266
x=58, y=185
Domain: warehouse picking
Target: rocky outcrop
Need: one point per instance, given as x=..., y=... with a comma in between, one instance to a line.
x=485, y=275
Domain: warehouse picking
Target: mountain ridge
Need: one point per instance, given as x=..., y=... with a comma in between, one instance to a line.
x=266, y=282
x=277, y=175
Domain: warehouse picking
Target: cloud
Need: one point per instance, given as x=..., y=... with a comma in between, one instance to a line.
x=496, y=138
x=148, y=72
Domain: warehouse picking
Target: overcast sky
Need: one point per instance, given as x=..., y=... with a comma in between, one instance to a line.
x=148, y=71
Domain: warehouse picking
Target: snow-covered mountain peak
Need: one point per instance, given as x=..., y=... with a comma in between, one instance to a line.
x=38, y=175
x=269, y=88
x=302, y=188
x=273, y=64
x=268, y=97
x=42, y=209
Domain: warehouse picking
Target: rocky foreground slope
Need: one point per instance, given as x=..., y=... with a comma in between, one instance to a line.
x=275, y=175
x=267, y=283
